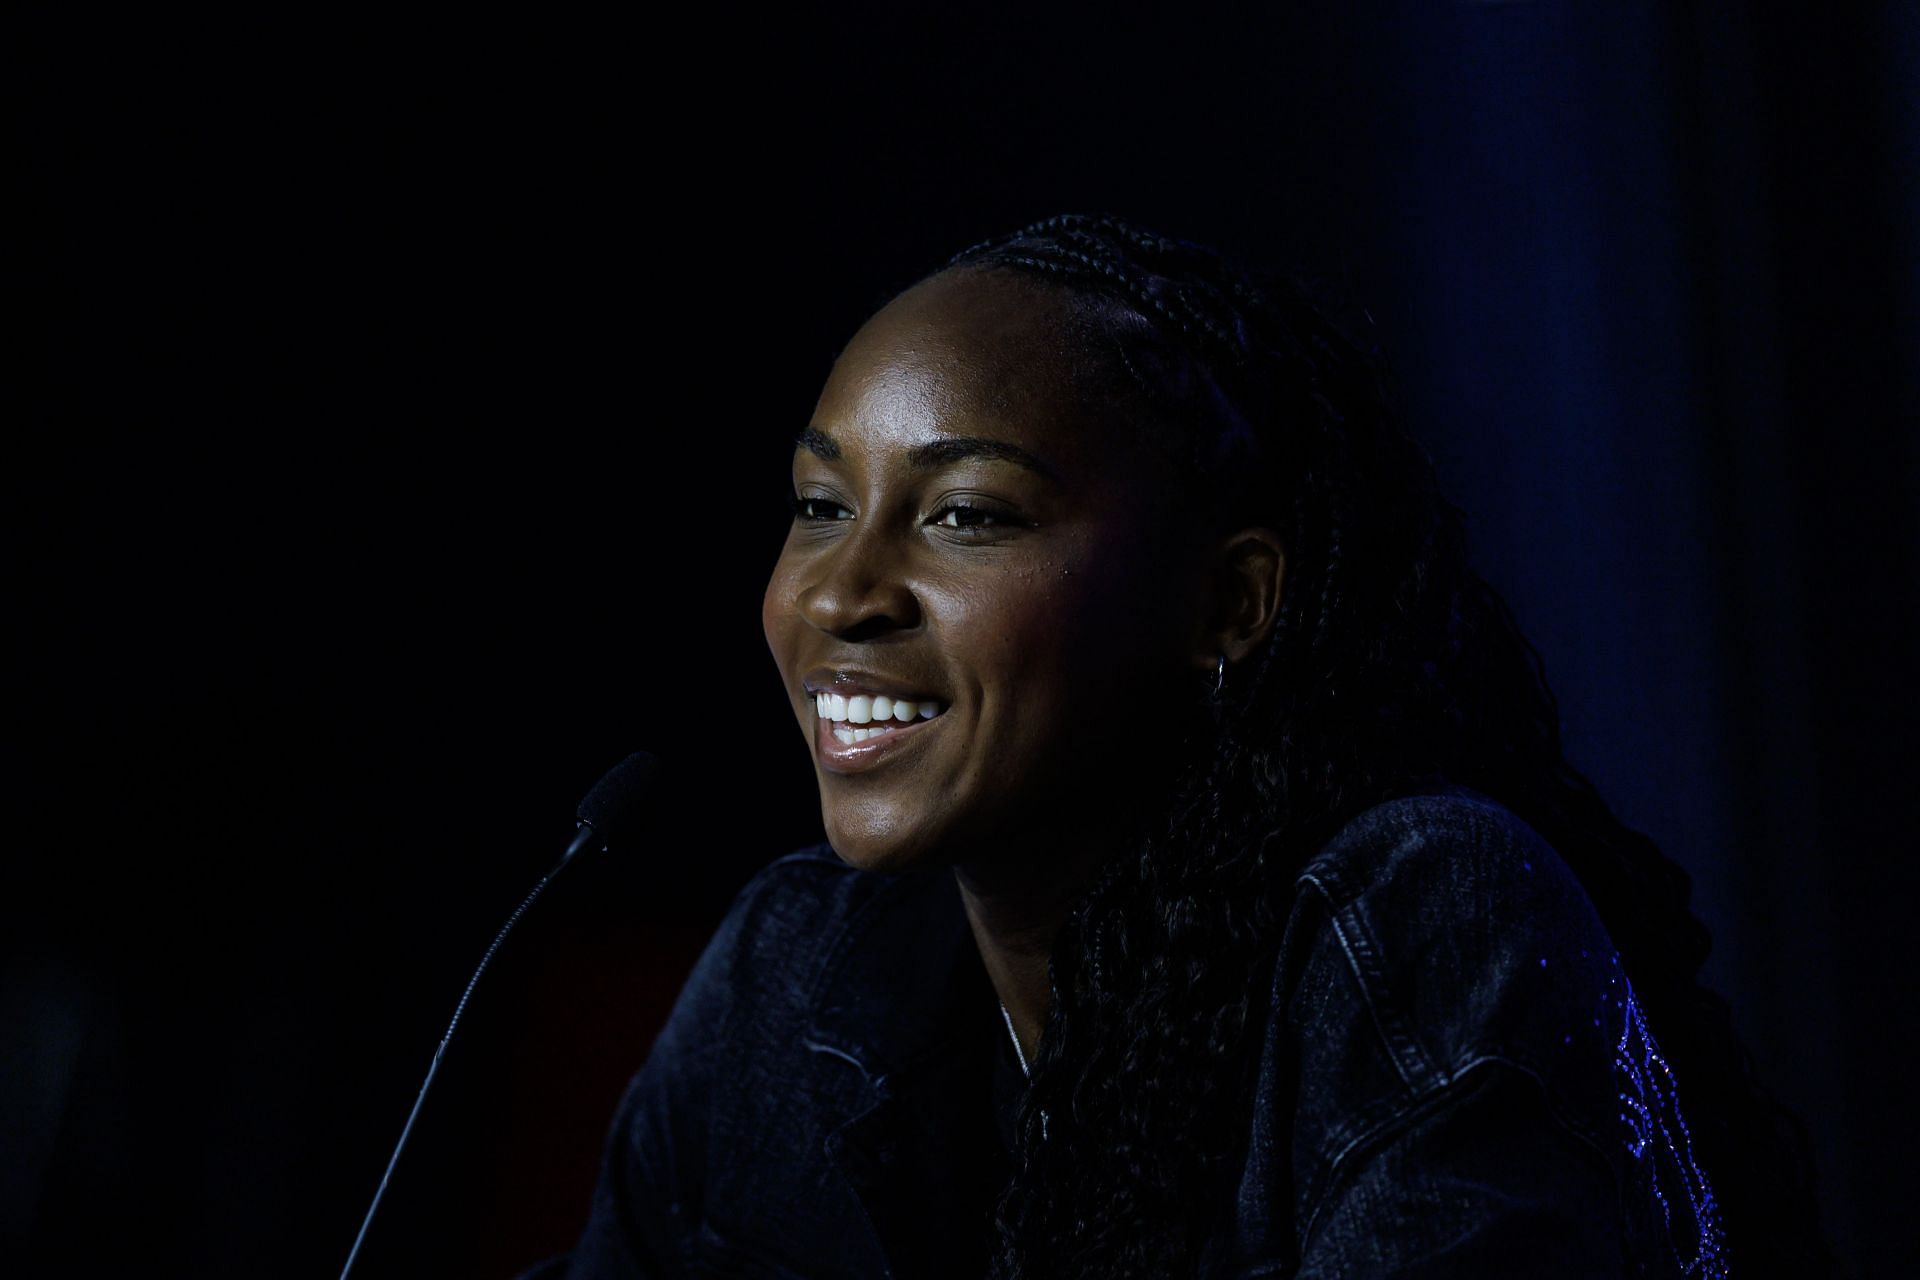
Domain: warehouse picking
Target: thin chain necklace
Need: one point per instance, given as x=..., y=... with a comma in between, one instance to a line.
x=1018, y=1052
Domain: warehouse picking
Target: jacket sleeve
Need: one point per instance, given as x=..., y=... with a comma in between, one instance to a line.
x=645, y=1207
x=1480, y=1180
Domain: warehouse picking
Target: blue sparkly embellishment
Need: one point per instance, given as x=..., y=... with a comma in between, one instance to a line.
x=1650, y=1102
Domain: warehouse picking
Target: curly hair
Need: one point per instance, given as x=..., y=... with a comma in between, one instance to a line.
x=1391, y=663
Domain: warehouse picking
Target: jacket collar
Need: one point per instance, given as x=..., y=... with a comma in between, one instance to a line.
x=898, y=984
x=902, y=995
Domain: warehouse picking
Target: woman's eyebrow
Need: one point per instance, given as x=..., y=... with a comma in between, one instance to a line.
x=938, y=453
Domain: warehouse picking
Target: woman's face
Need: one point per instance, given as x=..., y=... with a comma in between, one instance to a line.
x=977, y=536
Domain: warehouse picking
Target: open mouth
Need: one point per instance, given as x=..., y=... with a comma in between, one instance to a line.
x=861, y=718
x=855, y=733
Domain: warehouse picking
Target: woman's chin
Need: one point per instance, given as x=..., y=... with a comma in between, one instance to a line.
x=864, y=848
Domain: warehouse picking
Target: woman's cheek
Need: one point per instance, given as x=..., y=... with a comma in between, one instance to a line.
x=1050, y=641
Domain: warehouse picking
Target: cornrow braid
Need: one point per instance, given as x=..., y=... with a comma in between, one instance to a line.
x=1391, y=662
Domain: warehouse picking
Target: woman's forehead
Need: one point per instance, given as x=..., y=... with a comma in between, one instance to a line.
x=970, y=354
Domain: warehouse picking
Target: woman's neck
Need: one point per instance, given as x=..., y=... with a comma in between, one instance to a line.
x=1018, y=896
x=1016, y=907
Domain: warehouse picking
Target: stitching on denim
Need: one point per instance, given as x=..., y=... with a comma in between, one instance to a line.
x=1547, y=1096
x=1428, y=1101
x=1368, y=1120
x=1409, y=1058
x=1596, y=1145
x=839, y=954
x=817, y=1047
x=1481, y=1051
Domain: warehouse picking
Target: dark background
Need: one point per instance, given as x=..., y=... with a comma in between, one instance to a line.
x=401, y=437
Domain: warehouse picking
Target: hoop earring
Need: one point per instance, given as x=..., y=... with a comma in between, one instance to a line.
x=1220, y=674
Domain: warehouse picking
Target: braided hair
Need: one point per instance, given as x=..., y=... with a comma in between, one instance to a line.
x=1391, y=664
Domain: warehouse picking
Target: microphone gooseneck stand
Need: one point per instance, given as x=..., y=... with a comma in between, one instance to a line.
x=612, y=799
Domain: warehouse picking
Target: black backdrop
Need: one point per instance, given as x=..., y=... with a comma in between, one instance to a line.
x=401, y=438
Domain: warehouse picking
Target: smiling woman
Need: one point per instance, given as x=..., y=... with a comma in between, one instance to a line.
x=1205, y=889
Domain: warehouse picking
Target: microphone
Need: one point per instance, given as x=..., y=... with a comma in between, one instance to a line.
x=611, y=810
x=608, y=813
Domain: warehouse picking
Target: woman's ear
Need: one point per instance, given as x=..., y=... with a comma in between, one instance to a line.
x=1246, y=572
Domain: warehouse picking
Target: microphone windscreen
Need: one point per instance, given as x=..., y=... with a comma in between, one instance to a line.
x=613, y=807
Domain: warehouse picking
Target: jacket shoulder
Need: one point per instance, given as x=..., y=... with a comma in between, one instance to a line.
x=1435, y=934
x=1409, y=841
x=1457, y=1062
x=1467, y=930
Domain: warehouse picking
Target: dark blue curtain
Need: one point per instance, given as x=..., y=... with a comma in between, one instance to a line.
x=1659, y=267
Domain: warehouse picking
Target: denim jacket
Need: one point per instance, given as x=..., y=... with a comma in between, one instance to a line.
x=1454, y=1079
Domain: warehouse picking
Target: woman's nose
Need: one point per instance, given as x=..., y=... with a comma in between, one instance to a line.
x=858, y=587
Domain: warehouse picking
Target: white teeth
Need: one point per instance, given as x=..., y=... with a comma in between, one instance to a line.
x=881, y=711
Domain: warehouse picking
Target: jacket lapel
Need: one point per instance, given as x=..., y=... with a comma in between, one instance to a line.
x=903, y=997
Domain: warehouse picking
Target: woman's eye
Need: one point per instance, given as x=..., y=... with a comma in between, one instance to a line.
x=963, y=515
x=810, y=508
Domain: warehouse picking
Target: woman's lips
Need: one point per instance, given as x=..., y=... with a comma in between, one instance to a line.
x=857, y=757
